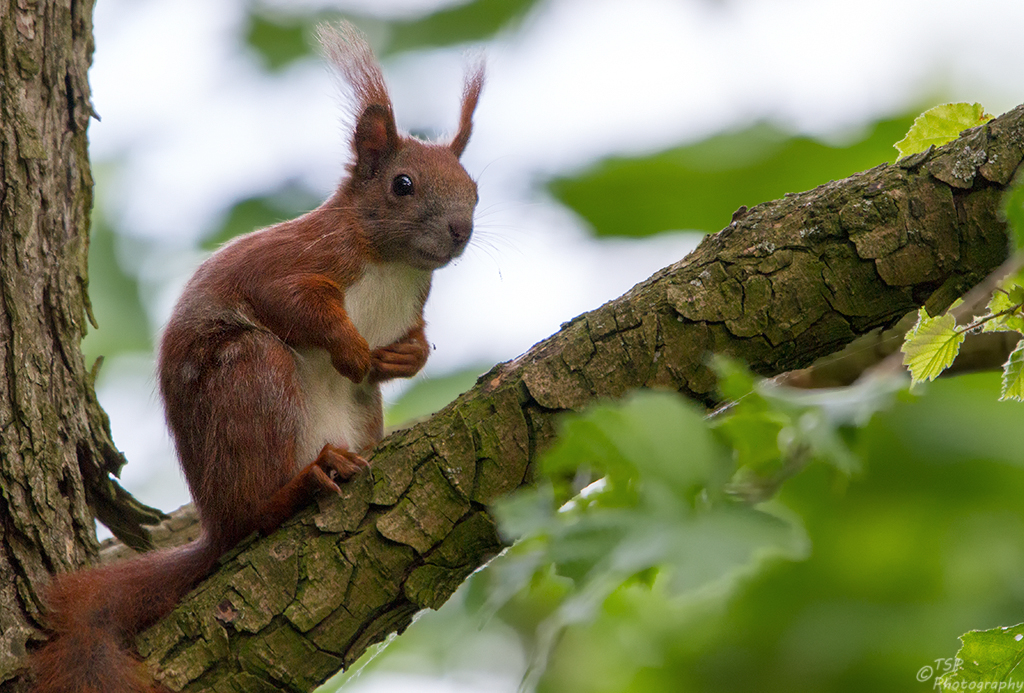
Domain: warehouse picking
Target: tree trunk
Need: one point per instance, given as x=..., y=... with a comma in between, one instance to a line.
x=786, y=282
x=55, y=451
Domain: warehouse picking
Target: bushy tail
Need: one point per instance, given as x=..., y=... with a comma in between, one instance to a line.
x=94, y=614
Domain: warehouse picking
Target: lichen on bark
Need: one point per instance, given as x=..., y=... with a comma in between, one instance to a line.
x=785, y=283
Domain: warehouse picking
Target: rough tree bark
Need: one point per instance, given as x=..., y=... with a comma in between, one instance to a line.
x=55, y=449
x=787, y=282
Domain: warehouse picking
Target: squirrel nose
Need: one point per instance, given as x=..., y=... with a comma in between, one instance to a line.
x=460, y=231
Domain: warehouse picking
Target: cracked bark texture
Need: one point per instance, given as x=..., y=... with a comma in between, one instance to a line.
x=785, y=283
x=45, y=393
x=55, y=451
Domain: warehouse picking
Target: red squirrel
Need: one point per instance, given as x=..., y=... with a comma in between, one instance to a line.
x=271, y=364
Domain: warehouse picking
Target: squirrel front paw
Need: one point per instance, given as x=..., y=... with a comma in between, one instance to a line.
x=354, y=363
x=335, y=464
x=402, y=359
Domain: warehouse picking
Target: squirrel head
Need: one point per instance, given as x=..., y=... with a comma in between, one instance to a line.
x=413, y=200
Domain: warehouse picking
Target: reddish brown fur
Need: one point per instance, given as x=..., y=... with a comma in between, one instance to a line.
x=229, y=379
x=470, y=95
x=348, y=51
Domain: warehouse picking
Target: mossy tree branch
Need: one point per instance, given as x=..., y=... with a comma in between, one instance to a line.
x=785, y=283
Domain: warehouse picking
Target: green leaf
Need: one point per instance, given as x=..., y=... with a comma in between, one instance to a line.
x=755, y=438
x=939, y=125
x=775, y=430
x=473, y=21
x=658, y=434
x=655, y=451
x=279, y=40
x=1013, y=375
x=1009, y=295
x=527, y=607
x=987, y=657
x=527, y=513
x=1013, y=208
x=427, y=395
x=735, y=381
x=931, y=346
x=730, y=541
x=257, y=212
x=699, y=186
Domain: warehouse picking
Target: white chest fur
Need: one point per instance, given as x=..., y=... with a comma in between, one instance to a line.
x=383, y=304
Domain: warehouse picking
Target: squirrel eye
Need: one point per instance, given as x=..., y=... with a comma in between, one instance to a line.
x=402, y=185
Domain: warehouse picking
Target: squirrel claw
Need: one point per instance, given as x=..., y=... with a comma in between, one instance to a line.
x=337, y=464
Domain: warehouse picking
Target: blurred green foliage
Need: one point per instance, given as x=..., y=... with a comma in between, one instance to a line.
x=114, y=294
x=472, y=21
x=259, y=211
x=698, y=186
x=430, y=394
x=1014, y=207
x=921, y=545
x=279, y=38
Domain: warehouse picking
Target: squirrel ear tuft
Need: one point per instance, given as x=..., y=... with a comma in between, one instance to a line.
x=470, y=95
x=375, y=137
x=375, y=140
